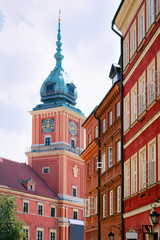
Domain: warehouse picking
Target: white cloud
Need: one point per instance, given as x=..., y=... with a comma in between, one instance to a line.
x=13, y=145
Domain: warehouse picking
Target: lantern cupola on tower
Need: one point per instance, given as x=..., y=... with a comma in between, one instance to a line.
x=57, y=90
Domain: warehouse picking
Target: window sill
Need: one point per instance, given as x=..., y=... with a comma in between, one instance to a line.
x=126, y=67
x=95, y=174
x=95, y=215
x=151, y=105
x=109, y=168
x=126, y=131
x=110, y=216
x=141, y=44
x=133, y=56
x=141, y=191
x=134, y=194
x=158, y=17
x=150, y=29
x=103, y=173
x=88, y=179
x=134, y=123
x=142, y=115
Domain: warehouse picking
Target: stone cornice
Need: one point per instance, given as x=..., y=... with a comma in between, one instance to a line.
x=93, y=146
x=25, y=195
x=126, y=14
x=59, y=110
x=108, y=100
x=54, y=153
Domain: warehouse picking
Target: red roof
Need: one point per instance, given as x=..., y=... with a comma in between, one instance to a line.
x=13, y=173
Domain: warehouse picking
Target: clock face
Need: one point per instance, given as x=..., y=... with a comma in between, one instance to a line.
x=48, y=125
x=72, y=128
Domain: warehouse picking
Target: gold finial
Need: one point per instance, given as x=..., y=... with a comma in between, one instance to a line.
x=59, y=19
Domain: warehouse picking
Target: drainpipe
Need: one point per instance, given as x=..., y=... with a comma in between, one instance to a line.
x=99, y=174
x=121, y=124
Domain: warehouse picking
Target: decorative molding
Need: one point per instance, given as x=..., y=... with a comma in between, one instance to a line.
x=70, y=198
x=141, y=130
x=139, y=210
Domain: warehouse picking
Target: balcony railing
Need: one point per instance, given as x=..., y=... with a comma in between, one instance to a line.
x=151, y=93
x=53, y=147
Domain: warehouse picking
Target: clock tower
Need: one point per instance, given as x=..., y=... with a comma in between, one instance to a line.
x=57, y=141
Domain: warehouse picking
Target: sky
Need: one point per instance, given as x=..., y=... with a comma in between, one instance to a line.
x=28, y=33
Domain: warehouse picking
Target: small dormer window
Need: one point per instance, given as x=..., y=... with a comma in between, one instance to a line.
x=71, y=90
x=50, y=87
x=29, y=184
x=114, y=79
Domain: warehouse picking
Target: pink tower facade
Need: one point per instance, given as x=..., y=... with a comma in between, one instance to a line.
x=57, y=141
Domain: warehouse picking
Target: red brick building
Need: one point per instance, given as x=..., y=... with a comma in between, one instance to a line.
x=103, y=165
x=139, y=23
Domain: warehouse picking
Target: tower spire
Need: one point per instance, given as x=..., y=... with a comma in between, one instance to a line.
x=58, y=56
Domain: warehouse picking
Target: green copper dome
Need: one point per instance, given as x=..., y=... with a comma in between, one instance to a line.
x=58, y=89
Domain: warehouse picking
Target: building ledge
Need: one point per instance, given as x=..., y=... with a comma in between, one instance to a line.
x=52, y=147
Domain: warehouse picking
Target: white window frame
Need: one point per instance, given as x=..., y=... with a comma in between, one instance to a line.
x=134, y=110
x=74, y=187
x=151, y=83
x=104, y=125
x=75, y=210
x=152, y=161
x=52, y=231
x=89, y=138
x=118, y=109
x=110, y=118
x=103, y=160
x=45, y=137
x=141, y=24
x=111, y=202
x=142, y=168
x=126, y=112
x=158, y=157
x=127, y=177
x=118, y=151
x=104, y=205
x=157, y=7
x=126, y=51
x=26, y=227
x=95, y=204
x=96, y=131
x=158, y=71
x=142, y=93
x=74, y=140
x=40, y=204
x=86, y=207
x=53, y=206
x=43, y=168
x=133, y=38
x=89, y=169
x=110, y=157
x=118, y=199
x=96, y=163
x=41, y=230
x=134, y=174
x=150, y=13
x=25, y=201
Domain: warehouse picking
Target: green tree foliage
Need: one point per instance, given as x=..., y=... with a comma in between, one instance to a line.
x=10, y=225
